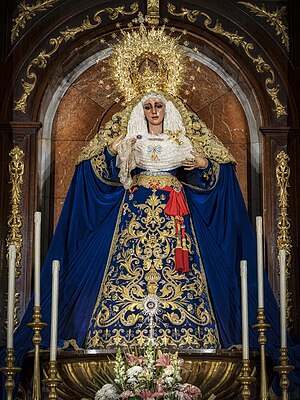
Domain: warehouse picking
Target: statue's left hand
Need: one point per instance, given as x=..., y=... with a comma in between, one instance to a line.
x=196, y=162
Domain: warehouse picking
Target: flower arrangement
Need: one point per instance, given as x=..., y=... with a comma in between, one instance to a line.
x=152, y=376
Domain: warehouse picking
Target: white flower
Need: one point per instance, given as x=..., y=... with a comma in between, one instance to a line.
x=147, y=374
x=168, y=371
x=107, y=392
x=134, y=371
x=169, y=380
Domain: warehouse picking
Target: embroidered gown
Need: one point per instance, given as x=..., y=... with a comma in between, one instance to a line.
x=144, y=294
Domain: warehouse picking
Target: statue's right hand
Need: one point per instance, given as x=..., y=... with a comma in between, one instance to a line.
x=113, y=147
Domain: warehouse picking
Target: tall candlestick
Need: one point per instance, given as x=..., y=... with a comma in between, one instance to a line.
x=283, y=335
x=260, y=275
x=11, y=296
x=244, y=299
x=54, y=310
x=37, y=258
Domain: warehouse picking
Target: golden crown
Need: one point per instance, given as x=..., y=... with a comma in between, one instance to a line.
x=147, y=60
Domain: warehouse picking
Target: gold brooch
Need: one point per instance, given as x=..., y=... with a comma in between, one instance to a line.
x=174, y=137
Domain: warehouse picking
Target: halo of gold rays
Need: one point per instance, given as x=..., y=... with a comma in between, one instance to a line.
x=147, y=60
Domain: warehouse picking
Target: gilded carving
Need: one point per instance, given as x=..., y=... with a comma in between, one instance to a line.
x=14, y=236
x=26, y=12
x=238, y=40
x=284, y=240
x=152, y=12
x=42, y=59
x=273, y=17
x=191, y=15
x=16, y=171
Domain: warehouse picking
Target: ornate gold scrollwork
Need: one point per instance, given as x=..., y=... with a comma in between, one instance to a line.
x=14, y=236
x=284, y=240
x=273, y=17
x=42, y=59
x=191, y=15
x=261, y=65
x=26, y=12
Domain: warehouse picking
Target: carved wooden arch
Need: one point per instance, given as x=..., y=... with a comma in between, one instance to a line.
x=76, y=17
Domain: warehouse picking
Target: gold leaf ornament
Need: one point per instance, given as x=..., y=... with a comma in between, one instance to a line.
x=191, y=15
x=262, y=67
x=27, y=12
x=284, y=238
x=274, y=18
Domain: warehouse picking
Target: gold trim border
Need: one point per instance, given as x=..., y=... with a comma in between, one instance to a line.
x=234, y=38
x=15, y=220
x=274, y=18
x=26, y=12
x=284, y=240
x=42, y=59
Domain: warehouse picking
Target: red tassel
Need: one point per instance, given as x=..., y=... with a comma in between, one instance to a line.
x=185, y=253
x=185, y=261
x=177, y=207
x=178, y=259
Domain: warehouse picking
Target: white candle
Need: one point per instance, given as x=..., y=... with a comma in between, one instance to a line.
x=283, y=335
x=244, y=299
x=54, y=310
x=11, y=296
x=260, y=275
x=37, y=258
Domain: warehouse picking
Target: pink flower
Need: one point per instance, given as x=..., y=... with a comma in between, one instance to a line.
x=192, y=390
x=146, y=394
x=135, y=360
x=126, y=394
x=183, y=396
x=164, y=360
x=159, y=391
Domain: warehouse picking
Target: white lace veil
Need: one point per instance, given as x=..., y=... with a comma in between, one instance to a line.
x=137, y=124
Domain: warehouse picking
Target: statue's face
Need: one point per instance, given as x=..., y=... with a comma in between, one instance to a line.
x=154, y=110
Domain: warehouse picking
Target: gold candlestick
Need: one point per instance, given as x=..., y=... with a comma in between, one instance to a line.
x=53, y=380
x=37, y=325
x=246, y=379
x=10, y=370
x=261, y=328
x=284, y=369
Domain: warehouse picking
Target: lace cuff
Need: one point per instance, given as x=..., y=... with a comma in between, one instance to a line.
x=126, y=161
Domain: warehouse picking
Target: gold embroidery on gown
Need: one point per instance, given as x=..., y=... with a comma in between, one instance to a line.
x=142, y=265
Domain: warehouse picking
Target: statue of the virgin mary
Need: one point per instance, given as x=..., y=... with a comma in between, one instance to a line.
x=154, y=225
